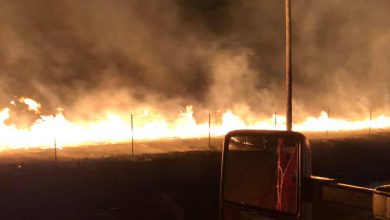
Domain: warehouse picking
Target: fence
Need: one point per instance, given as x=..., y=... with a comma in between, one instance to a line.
x=138, y=128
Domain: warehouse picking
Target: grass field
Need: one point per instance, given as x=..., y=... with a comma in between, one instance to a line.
x=171, y=179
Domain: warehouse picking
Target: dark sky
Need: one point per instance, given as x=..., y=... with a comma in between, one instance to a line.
x=95, y=55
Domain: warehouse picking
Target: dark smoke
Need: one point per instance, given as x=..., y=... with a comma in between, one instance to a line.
x=92, y=56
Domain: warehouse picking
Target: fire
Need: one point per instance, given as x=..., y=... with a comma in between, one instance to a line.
x=32, y=104
x=147, y=125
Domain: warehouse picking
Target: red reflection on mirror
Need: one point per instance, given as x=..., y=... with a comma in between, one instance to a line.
x=262, y=171
x=287, y=169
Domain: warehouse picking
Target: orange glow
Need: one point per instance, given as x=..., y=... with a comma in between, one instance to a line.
x=115, y=128
x=32, y=104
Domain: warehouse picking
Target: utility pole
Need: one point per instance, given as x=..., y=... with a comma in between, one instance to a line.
x=288, y=65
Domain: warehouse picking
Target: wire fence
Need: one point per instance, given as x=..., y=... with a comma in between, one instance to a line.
x=136, y=132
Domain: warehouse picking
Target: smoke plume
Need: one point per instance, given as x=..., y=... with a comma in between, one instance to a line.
x=119, y=55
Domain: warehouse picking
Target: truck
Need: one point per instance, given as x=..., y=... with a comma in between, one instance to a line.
x=267, y=175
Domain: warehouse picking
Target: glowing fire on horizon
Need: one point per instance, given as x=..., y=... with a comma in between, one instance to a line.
x=31, y=104
x=115, y=128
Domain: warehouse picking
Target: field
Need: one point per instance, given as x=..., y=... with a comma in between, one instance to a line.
x=170, y=179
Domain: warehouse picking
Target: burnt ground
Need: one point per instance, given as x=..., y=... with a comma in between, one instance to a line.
x=175, y=185
x=360, y=160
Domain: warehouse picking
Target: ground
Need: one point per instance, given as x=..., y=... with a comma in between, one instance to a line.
x=171, y=179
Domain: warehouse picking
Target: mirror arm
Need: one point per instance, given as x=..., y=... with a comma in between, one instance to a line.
x=330, y=190
x=381, y=202
x=324, y=189
x=311, y=188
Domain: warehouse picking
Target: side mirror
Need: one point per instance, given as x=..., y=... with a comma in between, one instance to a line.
x=261, y=174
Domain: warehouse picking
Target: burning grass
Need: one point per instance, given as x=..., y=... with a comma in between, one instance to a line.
x=23, y=125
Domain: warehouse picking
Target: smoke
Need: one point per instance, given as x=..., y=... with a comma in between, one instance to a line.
x=95, y=56
x=342, y=50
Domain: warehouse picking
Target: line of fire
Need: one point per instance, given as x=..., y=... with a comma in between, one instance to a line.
x=196, y=109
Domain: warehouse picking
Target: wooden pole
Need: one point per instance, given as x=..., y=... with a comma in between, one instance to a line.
x=209, y=131
x=288, y=65
x=132, y=136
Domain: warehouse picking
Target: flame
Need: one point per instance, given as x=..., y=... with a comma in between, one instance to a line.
x=147, y=125
x=32, y=104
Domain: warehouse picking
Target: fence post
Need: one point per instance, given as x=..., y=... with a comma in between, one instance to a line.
x=55, y=139
x=55, y=148
x=275, y=119
x=132, y=136
x=327, y=127
x=369, y=129
x=209, y=131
